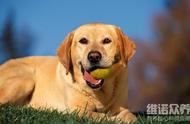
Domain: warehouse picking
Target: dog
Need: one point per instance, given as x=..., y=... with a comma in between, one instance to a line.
x=58, y=81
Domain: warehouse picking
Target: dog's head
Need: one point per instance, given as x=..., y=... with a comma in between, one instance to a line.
x=94, y=46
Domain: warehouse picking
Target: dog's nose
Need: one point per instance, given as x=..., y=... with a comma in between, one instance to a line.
x=94, y=57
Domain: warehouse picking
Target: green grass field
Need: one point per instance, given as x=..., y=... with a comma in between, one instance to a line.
x=10, y=114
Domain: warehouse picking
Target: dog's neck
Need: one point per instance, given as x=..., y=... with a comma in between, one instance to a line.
x=103, y=95
x=62, y=77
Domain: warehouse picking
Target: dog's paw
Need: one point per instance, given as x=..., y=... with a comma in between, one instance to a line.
x=127, y=116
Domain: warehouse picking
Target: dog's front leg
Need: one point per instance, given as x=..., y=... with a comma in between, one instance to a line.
x=125, y=115
x=92, y=114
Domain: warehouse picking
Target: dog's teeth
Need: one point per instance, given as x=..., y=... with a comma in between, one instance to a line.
x=99, y=81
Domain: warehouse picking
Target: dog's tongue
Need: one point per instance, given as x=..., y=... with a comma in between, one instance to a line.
x=89, y=78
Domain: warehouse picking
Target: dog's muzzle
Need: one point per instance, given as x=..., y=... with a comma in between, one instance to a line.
x=91, y=81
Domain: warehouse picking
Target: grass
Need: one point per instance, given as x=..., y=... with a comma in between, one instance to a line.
x=10, y=114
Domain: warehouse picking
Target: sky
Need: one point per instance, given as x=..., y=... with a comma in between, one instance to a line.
x=51, y=20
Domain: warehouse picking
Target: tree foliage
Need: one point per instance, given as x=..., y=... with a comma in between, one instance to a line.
x=161, y=69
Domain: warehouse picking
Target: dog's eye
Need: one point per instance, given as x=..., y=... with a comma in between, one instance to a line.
x=83, y=41
x=106, y=41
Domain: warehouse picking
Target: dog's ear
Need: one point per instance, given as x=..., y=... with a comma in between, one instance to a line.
x=126, y=46
x=64, y=52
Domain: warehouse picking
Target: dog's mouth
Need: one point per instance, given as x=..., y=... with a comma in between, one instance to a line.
x=90, y=80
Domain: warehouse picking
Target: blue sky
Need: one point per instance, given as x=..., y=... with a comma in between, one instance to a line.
x=51, y=20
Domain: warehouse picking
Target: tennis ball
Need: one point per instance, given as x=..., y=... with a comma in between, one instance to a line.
x=100, y=73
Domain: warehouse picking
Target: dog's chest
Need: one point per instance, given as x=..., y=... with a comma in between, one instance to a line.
x=99, y=105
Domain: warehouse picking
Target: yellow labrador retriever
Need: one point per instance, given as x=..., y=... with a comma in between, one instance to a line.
x=64, y=82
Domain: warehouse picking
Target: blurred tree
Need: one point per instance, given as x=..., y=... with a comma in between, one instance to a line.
x=147, y=84
x=8, y=37
x=15, y=43
x=173, y=36
x=160, y=72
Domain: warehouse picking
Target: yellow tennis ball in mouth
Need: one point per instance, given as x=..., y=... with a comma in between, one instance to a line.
x=100, y=73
